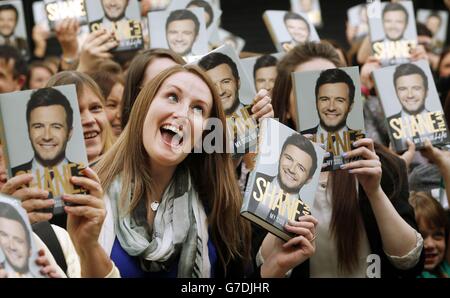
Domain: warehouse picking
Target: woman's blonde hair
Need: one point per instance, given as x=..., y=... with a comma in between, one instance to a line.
x=82, y=81
x=213, y=175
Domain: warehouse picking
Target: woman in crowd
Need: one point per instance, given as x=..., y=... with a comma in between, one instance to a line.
x=144, y=68
x=179, y=214
x=39, y=72
x=433, y=225
x=362, y=208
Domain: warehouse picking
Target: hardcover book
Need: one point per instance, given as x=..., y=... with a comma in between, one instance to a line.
x=123, y=18
x=288, y=29
x=392, y=30
x=42, y=135
x=411, y=104
x=283, y=184
x=330, y=110
x=309, y=7
x=237, y=94
x=262, y=70
x=13, y=30
x=437, y=22
x=18, y=250
x=357, y=22
x=57, y=10
x=182, y=31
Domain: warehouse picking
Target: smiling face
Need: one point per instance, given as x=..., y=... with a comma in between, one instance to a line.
x=39, y=77
x=434, y=245
x=114, y=9
x=226, y=86
x=49, y=134
x=394, y=24
x=94, y=122
x=8, y=21
x=298, y=30
x=333, y=105
x=411, y=92
x=293, y=169
x=265, y=78
x=181, y=36
x=175, y=118
x=433, y=24
x=15, y=246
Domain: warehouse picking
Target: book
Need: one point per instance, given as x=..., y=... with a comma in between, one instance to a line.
x=309, y=7
x=437, y=22
x=212, y=13
x=181, y=30
x=18, y=250
x=330, y=110
x=411, y=104
x=14, y=33
x=57, y=10
x=261, y=70
x=123, y=18
x=358, y=21
x=288, y=29
x=42, y=135
x=224, y=68
x=283, y=184
x=392, y=31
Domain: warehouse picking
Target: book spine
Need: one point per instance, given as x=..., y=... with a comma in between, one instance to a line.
x=3, y=142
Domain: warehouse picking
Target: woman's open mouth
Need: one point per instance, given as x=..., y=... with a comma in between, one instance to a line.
x=172, y=135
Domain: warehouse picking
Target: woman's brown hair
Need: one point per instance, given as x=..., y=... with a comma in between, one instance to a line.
x=82, y=81
x=213, y=174
x=283, y=84
x=135, y=75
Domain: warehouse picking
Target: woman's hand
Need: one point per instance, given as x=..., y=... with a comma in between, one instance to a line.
x=437, y=156
x=96, y=46
x=280, y=257
x=33, y=199
x=46, y=268
x=368, y=168
x=85, y=219
x=262, y=107
x=408, y=155
x=419, y=53
x=371, y=64
x=67, y=34
x=40, y=35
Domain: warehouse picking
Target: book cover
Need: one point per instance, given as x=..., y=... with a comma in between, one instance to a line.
x=13, y=30
x=121, y=17
x=288, y=29
x=212, y=14
x=182, y=30
x=283, y=184
x=42, y=135
x=57, y=10
x=392, y=31
x=18, y=250
x=330, y=110
x=236, y=93
x=262, y=70
x=437, y=22
x=411, y=104
x=309, y=7
x=357, y=21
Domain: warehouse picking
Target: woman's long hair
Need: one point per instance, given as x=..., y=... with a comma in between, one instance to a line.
x=213, y=174
x=135, y=75
x=82, y=81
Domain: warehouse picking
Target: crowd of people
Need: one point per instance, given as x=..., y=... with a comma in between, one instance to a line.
x=152, y=210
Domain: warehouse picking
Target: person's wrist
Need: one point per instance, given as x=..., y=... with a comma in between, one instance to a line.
x=374, y=193
x=271, y=269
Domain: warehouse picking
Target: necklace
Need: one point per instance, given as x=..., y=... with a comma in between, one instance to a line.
x=154, y=206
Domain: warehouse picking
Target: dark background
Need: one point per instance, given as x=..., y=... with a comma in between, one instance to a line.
x=244, y=18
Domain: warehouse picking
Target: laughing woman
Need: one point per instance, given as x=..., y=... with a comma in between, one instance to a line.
x=174, y=213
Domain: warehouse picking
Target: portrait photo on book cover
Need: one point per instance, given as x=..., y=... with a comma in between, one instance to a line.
x=18, y=251
x=12, y=26
x=262, y=70
x=182, y=31
x=309, y=7
x=393, y=31
x=44, y=137
x=57, y=10
x=437, y=22
x=286, y=177
x=338, y=121
x=289, y=29
x=120, y=16
x=411, y=104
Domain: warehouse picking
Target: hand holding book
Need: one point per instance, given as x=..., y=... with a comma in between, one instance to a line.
x=262, y=107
